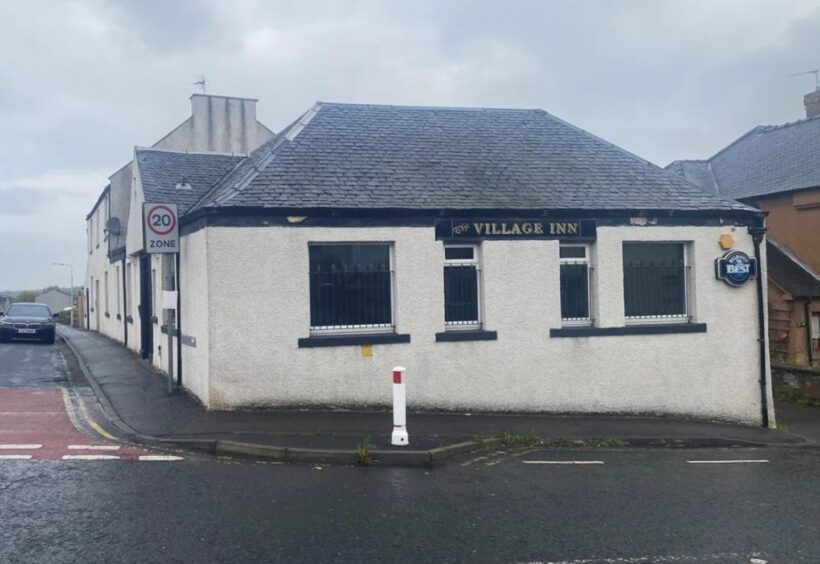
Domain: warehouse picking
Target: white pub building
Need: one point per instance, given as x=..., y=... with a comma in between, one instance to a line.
x=508, y=259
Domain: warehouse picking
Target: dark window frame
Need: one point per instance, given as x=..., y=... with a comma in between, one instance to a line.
x=354, y=328
x=684, y=268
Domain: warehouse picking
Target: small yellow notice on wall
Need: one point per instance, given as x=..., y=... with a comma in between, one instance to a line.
x=367, y=351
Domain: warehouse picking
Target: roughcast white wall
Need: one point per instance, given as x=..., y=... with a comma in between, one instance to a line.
x=258, y=307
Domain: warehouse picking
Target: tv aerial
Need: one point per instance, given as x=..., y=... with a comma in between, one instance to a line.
x=200, y=81
x=816, y=74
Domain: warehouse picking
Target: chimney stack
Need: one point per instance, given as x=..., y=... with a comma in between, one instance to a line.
x=812, y=103
x=223, y=124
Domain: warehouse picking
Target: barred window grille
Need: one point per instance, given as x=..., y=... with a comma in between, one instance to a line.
x=655, y=281
x=575, y=277
x=461, y=287
x=350, y=288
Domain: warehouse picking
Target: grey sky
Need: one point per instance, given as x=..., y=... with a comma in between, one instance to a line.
x=82, y=82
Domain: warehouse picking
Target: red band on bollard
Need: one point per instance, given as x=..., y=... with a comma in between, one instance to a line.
x=397, y=377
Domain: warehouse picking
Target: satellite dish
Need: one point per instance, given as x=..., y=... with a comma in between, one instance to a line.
x=113, y=226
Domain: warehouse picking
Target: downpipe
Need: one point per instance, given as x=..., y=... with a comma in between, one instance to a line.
x=758, y=232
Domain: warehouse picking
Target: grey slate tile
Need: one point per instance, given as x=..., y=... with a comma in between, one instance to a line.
x=361, y=156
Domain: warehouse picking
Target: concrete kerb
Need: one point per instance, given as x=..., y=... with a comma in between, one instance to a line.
x=269, y=452
x=431, y=457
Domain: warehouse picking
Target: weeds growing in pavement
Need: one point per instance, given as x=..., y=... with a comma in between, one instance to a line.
x=515, y=440
x=364, y=452
x=796, y=397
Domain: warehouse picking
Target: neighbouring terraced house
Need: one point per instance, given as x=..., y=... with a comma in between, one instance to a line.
x=776, y=168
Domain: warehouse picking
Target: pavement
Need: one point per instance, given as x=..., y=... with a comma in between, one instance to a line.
x=136, y=400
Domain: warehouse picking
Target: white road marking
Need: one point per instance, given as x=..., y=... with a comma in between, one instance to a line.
x=562, y=461
x=93, y=447
x=90, y=457
x=20, y=447
x=719, y=557
x=15, y=456
x=758, y=461
x=159, y=457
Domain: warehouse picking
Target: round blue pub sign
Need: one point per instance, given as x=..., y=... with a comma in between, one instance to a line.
x=735, y=268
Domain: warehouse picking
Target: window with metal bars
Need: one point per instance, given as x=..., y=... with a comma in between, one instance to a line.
x=462, y=287
x=351, y=288
x=655, y=281
x=575, y=277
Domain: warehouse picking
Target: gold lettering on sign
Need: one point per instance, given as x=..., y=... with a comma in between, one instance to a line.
x=513, y=228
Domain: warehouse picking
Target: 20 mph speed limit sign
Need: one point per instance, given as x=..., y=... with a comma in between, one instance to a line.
x=161, y=228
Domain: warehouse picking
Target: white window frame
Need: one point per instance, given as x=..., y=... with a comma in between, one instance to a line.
x=587, y=260
x=368, y=329
x=475, y=261
x=685, y=317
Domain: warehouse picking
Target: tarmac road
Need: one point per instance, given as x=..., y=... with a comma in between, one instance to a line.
x=624, y=506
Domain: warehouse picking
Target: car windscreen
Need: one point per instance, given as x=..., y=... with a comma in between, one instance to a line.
x=25, y=310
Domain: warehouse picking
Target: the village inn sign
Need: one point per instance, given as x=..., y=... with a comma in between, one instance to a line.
x=515, y=229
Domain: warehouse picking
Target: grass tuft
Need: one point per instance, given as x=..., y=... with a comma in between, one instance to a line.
x=364, y=450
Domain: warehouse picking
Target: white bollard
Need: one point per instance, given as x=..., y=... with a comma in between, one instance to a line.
x=399, y=437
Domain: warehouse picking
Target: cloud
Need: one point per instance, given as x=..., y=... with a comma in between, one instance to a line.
x=65, y=181
x=86, y=80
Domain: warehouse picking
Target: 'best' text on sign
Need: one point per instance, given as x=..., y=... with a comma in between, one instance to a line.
x=161, y=228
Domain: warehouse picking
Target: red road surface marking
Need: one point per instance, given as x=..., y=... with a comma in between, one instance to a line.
x=38, y=416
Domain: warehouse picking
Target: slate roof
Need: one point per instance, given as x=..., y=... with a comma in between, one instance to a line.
x=767, y=160
x=788, y=273
x=400, y=157
x=696, y=172
x=160, y=171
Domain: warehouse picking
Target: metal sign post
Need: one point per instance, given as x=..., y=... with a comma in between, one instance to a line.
x=160, y=229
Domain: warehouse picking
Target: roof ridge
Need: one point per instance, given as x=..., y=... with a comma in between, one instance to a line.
x=258, y=160
x=422, y=107
x=663, y=170
x=141, y=149
x=767, y=128
x=763, y=129
x=687, y=161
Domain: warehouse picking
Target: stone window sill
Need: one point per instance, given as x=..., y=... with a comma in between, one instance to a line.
x=352, y=340
x=658, y=329
x=459, y=336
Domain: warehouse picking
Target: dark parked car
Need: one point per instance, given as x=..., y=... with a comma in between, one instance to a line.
x=27, y=321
